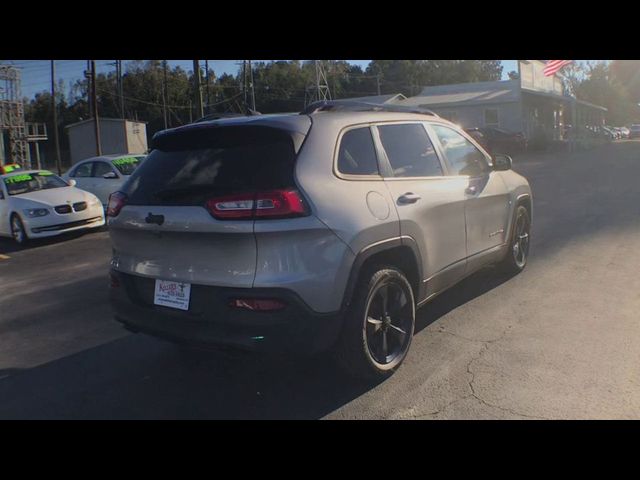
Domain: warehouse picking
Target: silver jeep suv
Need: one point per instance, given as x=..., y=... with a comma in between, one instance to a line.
x=323, y=230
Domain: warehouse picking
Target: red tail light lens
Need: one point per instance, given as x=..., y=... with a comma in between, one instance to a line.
x=117, y=200
x=284, y=203
x=114, y=281
x=258, y=304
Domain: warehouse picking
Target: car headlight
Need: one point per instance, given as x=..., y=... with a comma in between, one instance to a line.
x=95, y=201
x=36, y=212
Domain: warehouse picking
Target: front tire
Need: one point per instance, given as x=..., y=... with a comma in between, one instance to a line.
x=518, y=251
x=379, y=325
x=18, y=231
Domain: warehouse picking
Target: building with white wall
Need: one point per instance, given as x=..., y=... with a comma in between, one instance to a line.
x=533, y=104
x=117, y=136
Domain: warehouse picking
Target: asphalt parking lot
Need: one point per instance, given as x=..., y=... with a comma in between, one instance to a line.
x=559, y=341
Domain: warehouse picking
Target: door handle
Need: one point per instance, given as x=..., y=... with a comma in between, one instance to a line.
x=408, y=197
x=471, y=190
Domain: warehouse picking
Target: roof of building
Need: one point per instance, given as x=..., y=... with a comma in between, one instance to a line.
x=390, y=98
x=468, y=93
x=100, y=119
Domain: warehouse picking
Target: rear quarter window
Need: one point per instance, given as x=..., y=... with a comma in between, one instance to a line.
x=357, y=153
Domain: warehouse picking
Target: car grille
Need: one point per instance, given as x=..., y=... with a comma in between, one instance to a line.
x=77, y=207
x=62, y=209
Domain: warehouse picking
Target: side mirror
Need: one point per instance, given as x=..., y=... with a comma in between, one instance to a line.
x=72, y=182
x=110, y=175
x=502, y=162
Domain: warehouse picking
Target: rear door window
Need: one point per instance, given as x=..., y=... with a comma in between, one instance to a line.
x=83, y=171
x=357, y=154
x=409, y=150
x=100, y=168
x=188, y=168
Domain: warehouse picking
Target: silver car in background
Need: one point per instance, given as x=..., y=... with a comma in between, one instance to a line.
x=103, y=175
x=324, y=230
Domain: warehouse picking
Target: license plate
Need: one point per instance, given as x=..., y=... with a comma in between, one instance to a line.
x=172, y=294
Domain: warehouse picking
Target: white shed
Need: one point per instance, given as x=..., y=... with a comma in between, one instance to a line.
x=117, y=136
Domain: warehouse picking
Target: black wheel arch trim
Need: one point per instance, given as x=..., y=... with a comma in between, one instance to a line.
x=375, y=249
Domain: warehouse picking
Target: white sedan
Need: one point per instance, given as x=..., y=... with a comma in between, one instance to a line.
x=103, y=175
x=37, y=203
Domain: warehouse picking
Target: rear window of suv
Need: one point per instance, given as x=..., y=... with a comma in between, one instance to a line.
x=189, y=167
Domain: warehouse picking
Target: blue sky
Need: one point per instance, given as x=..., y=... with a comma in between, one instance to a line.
x=36, y=73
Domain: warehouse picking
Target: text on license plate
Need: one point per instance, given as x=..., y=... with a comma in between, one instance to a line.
x=172, y=294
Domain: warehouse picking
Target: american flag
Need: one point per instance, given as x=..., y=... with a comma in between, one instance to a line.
x=553, y=66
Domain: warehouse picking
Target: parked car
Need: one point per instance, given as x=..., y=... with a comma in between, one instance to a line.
x=103, y=175
x=37, y=203
x=496, y=140
x=9, y=167
x=634, y=131
x=267, y=234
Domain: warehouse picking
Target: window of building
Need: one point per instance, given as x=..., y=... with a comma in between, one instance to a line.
x=410, y=151
x=462, y=156
x=491, y=117
x=357, y=155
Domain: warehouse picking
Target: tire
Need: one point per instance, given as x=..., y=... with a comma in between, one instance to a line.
x=518, y=252
x=377, y=335
x=18, y=232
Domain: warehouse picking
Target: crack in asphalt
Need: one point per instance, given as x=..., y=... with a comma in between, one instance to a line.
x=474, y=394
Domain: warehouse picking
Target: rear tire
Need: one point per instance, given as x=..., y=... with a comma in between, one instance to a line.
x=518, y=252
x=379, y=325
x=18, y=231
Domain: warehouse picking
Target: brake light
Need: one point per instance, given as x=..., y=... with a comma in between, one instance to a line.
x=283, y=203
x=114, y=281
x=117, y=200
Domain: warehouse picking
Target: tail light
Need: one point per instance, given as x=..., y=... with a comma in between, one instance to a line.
x=114, y=281
x=117, y=200
x=285, y=203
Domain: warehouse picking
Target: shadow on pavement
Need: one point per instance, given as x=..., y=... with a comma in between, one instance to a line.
x=7, y=245
x=140, y=377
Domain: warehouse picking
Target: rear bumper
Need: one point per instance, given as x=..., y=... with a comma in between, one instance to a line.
x=211, y=321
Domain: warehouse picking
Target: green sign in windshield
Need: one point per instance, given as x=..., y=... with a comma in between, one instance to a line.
x=125, y=161
x=126, y=165
x=18, y=178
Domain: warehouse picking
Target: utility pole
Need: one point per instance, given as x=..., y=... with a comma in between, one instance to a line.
x=87, y=75
x=378, y=82
x=164, y=93
x=247, y=85
x=244, y=82
x=198, y=89
x=94, y=102
x=206, y=68
x=253, y=92
x=121, y=88
x=55, y=119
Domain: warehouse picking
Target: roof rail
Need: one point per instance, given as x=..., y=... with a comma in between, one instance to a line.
x=358, y=106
